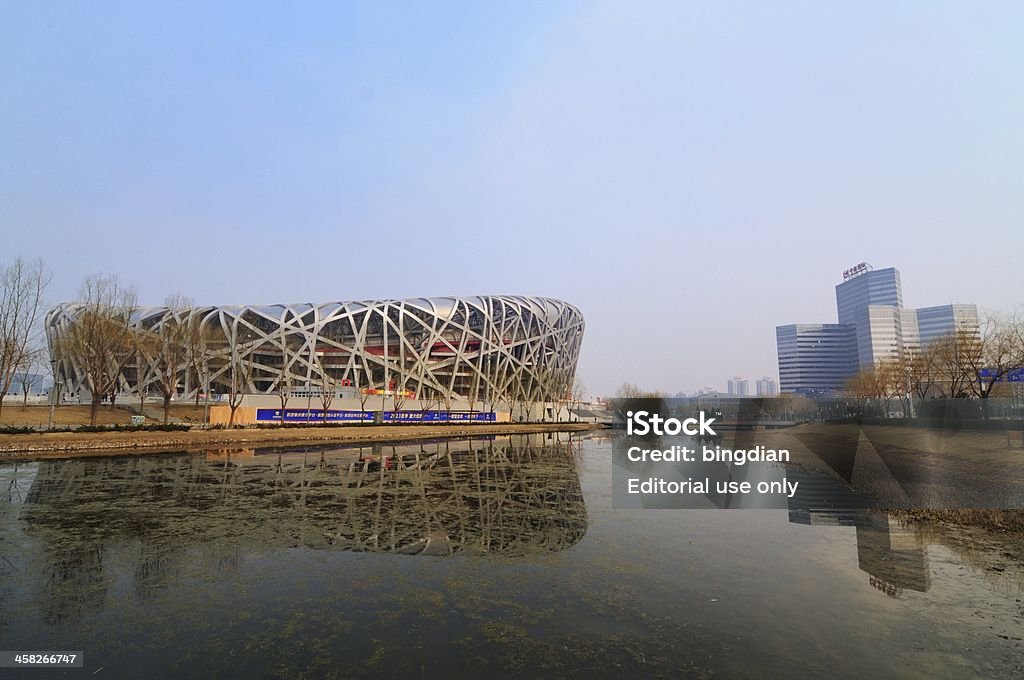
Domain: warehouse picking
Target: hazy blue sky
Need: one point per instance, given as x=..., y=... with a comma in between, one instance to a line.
x=689, y=175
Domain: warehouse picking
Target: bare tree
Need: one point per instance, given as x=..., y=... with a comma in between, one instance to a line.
x=240, y=370
x=284, y=382
x=625, y=397
x=472, y=394
x=146, y=344
x=921, y=367
x=557, y=397
x=362, y=391
x=22, y=288
x=1000, y=352
x=32, y=370
x=283, y=389
x=632, y=391
x=878, y=385
x=448, y=399
x=899, y=383
x=863, y=386
x=328, y=388
x=629, y=391
x=492, y=397
x=172, y=348
x=578, y=390
x=958, y=358
x=197, y=341
x=99, y=338
x=428, y=399
x=399, y=393
x=890, y=382
x=515, y=398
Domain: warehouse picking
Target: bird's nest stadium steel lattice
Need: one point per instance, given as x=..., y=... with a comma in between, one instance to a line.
x=496, y=349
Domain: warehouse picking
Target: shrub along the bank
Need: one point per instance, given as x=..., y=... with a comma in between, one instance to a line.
x=11, y=429
x=170, y=427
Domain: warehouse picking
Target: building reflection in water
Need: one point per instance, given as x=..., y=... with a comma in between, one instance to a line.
x=893, y=554
x=506, y=496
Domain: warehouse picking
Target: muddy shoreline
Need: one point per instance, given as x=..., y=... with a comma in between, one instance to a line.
x=75, y=444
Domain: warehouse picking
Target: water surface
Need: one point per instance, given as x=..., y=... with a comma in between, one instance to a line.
x=497, y=556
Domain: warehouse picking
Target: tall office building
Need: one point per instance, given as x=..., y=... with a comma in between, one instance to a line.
x=879, y=333
x=873, y=287
x=911, y=335
x=872, y=302
x=739, y=387
x=936, y=322
x=873, y=326
x=816, y=357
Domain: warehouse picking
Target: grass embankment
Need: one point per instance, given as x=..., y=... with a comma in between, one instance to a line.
x=16, y=415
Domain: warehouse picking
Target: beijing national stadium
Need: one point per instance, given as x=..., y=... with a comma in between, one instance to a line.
x=482, y=355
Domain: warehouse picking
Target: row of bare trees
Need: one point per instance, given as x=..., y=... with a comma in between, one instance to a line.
x=105, y=344
x=967, y=363
x=23, y=286
x=882, y=384
x=101, y=342
x=164, y=352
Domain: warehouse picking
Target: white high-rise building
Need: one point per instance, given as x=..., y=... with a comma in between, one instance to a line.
x=739, y=387
x=911, y=336
x=767, y=387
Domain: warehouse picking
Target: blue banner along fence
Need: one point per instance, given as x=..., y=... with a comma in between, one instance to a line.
x=301, y=415
x=1016, y=375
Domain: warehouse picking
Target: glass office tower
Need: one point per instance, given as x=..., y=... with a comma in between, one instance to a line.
x=936, y=322
x=816, y=358
x=878, y=287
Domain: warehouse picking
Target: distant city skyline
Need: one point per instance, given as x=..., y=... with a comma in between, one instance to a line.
x=739, y=386
x=688, y=177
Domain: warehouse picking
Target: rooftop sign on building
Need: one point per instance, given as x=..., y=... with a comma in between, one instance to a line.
x=856, y=270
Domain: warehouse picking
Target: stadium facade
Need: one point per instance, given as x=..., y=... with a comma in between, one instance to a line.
x=484, y=350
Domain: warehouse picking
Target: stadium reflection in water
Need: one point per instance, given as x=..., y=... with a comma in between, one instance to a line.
x=507, y=496
x=510, y=496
